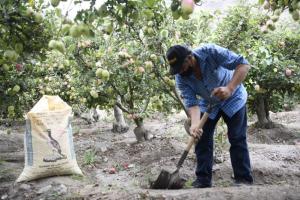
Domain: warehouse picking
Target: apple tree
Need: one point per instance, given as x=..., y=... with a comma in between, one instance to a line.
x=124, y=64
x=275, y=8
x=24, y=34
x=274, y=72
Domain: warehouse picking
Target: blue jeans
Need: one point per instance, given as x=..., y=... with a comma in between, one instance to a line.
x=239, y=154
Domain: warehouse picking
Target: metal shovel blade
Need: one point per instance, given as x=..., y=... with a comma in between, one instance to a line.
x=167, y=180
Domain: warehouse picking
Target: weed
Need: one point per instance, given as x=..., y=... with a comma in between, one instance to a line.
x=89, y=157
x=188, y=183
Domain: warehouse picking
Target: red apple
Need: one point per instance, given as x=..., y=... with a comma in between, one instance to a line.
x=187, y=6
x=141, y=70
x=19, y=67
x=288, y=72
x=125, y=165
x=112, y=170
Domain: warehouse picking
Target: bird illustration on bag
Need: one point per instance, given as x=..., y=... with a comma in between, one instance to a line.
x=56, y=149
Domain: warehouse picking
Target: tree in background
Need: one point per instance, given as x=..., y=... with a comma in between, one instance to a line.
x=275, y=65
x=24, y=33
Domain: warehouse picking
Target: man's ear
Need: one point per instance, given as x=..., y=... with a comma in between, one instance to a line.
x=191, y=58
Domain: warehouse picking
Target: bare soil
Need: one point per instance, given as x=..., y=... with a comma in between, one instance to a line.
x=275, y=157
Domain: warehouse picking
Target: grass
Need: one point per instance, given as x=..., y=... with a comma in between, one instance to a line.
x=223, y=183
x=188, y=184
x=89, y=157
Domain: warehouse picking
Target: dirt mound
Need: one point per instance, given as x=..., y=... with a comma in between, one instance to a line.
x=278, y=135
x=286, y=130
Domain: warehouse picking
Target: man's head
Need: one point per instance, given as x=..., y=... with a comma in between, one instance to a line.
x=177, y=57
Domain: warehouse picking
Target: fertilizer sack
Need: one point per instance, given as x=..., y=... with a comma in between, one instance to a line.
x=48, y=142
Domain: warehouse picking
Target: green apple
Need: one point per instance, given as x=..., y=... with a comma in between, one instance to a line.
x=99, y=72
x=52, y=44
x=60, y=46
x=274, y=18
x=16, y=88
x=75, y=31
x=150, y=30
x=66, y=63
x=164, y=34
x=10, y=108
x=150, y=23
x=94, y=94
x=295, y=15
x=10, y=55
x=38, y=17
x=105, y=75
x=102, y=11
x=57, y=45
x=29, y=12
x=65, y=28
x=172, y=83
x=153, y=57
x=5, y=67
x=19, y=47
x=257, y=87
x=277, y=12
x=148, y=65
x=110, y=90
x=166, y=79
x=54, y=3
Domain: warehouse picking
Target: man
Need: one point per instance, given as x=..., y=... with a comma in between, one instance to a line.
x=216, y=74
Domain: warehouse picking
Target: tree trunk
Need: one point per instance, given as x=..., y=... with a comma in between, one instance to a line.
x=140, y=132
x=262, y=112
x=119, y=126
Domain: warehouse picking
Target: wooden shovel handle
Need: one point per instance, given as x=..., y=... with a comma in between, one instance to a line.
x=192, y=139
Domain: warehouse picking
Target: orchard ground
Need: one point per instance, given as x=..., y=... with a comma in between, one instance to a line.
x=116, y=167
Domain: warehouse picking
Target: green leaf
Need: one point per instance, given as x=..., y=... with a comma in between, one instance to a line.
x=261, y=1
x=150, y=3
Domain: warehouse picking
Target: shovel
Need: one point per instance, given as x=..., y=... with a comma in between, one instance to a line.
x=167, y=180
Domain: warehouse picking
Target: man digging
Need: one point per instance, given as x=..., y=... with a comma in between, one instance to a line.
x=215, y=74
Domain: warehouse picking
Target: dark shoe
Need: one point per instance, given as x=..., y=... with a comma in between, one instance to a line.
x=198, y=184
x=243, y=181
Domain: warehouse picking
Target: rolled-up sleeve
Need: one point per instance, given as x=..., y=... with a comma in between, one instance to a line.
x=225, y=57
x=186, y=92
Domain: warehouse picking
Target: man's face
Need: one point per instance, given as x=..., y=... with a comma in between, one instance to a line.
x=187, y=66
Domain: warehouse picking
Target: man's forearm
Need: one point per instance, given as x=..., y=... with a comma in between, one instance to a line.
x=194, y=113
x=239, y=76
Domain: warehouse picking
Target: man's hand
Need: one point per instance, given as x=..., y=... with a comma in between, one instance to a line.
x=195, y=131
x=222, y=93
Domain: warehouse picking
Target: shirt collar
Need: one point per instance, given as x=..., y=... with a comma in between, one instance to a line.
x=200, y=55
